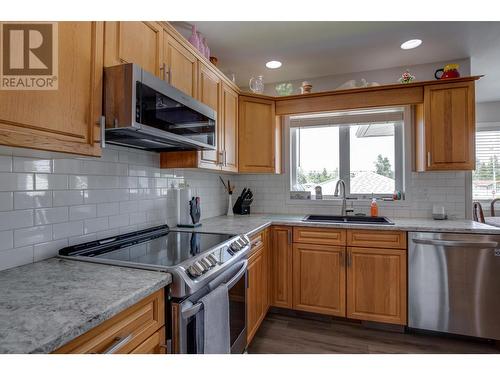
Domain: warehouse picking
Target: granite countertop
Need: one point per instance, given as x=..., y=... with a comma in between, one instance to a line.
x=47, y=304
x=250, y=224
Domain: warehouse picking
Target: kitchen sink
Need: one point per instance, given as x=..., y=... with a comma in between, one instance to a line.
x=348, y=219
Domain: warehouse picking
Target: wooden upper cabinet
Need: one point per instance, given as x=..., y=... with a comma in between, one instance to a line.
x=209, y=93
x=376, y=285
x=66, y=119
x=445, y=128
x=134, y=42
x=229, y=129
x=319, y=278
x=281, y=266
x=259, y=136
x=181, y=66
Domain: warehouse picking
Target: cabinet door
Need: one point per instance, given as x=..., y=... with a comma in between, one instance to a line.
x=255, y=305
x=181, y=66
x=450, y=126
x=229, y=129
x=281, y=268
x=209, y=92
x=155, y=344
x=319, y=278
x=376, y=285
x=257, y=135
x=134, y=42
x=66, y=119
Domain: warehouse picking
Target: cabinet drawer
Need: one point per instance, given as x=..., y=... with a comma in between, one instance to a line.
x=319, y=236
x=131, y=327
x=154, y=344
x=377, y=238
x=256, y=242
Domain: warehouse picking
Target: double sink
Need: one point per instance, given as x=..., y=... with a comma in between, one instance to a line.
x=381, y=220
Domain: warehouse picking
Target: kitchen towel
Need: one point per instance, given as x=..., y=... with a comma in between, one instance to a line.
x=216, y=321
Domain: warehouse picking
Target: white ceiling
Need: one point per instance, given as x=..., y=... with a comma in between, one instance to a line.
x=316, y=49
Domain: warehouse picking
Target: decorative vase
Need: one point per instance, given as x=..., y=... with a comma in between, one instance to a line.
x=306, y=88
x=201, y=47
x=230, y=205
x=257, y=84
x=193, y=39
x=206, y=49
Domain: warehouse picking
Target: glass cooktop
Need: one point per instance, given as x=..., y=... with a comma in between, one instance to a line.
x=165, y=249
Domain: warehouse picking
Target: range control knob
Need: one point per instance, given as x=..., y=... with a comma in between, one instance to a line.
x=212, y=260
x=206, y=263
x=235, y=246
x=193, y=271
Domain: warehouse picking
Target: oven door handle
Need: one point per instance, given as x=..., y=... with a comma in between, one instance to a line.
x=193, y=310
x=238, y=275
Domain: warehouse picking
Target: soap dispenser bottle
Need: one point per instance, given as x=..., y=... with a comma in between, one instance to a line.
x=374, y=208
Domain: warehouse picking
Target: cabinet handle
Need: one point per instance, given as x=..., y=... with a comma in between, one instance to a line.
x=349, y=260
x=225, y=158
x=169, y=73
x=428, y=158
x=102, y=123
x=289, y=237
x=118, y=343
x=163, y=71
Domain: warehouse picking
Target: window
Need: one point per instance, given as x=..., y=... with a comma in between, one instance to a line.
x=486, y=177
x=364, y=148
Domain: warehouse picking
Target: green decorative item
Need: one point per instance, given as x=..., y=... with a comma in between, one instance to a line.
x=406, y=77
x=283, y=89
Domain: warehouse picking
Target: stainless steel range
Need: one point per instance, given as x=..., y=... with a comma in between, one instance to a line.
x=198, y=262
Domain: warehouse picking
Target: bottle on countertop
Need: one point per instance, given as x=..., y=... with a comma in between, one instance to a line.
x=374, y=208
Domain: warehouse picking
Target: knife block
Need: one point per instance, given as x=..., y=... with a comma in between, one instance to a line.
x=241, y=207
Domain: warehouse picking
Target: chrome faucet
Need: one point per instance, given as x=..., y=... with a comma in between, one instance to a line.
x=341, y=182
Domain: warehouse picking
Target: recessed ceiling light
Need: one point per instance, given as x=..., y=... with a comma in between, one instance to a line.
x=273, y=64
x=409, y=44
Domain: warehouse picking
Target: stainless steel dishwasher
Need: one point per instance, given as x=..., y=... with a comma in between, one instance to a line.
x=454, y=283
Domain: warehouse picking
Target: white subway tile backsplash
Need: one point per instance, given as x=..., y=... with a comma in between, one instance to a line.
x=47, y=204
x=51, y=182
x=16, y=219
x=5, y=163
x=68, y=229
x=95, y=225
x=16, y=257
x=108, y=209
x=6, y=240
x=118, y=221
x=82, y=212
x=32, y=199
x=51, y=215
x=49, y=249
x=67, y=197
x=32, y=235
x=32, y=165
x=16, y=181
x=6, y=201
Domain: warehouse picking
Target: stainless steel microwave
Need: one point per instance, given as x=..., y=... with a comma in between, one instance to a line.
x=145, y=112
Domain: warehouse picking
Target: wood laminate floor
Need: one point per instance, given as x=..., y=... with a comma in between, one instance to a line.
x=285, y=334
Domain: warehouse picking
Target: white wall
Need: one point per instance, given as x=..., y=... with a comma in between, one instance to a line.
x=47, y=204
x=422, y=72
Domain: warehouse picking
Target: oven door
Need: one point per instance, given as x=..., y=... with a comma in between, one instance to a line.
x=187, y=314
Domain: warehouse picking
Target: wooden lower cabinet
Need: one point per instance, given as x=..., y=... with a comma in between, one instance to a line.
x=140, y=329
x=258, y=283
x=319, y=278
x=376, y=285
x=281, y=266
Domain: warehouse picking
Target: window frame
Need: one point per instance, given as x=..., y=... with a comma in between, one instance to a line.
x=344, y=121
x=481, y=127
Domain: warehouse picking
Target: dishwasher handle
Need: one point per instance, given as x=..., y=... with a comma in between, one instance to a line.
x=454, y=243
